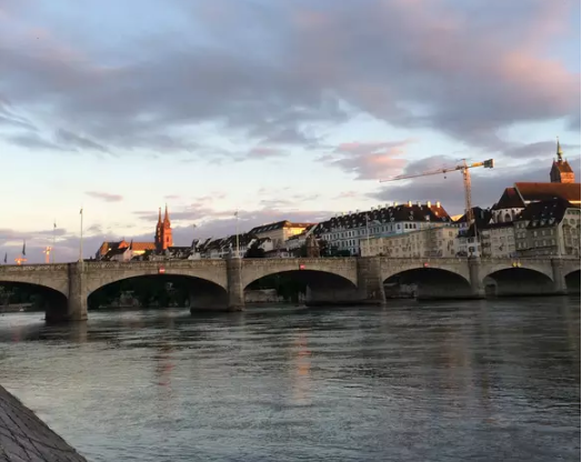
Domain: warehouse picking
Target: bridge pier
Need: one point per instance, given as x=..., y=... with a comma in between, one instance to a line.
x=236, y=291
x=76, y=306
x=370, y=281
x=559, y=277
x=477, y=289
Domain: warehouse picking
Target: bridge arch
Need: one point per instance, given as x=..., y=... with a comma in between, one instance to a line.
x=427, y=282
x=572, y=280
x=544, y=268
x=103, y=273
x=457, y=266
x=255, y=269
x=52, y=300
x=320, y=283
x=162, y=289
x=508, y=280
x=57, y=278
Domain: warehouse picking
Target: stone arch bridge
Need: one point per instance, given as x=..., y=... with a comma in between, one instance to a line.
x=220, y=284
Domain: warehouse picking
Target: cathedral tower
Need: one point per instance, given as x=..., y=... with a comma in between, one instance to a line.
x=561, y=171
x=163, y=231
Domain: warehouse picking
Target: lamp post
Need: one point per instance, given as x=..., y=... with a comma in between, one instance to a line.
x=81, y=238
x=54, y=240
x=237, y=238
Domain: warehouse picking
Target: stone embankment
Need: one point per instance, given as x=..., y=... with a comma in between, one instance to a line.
x=26, y=438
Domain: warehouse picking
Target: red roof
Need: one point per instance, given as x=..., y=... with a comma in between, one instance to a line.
x=534, y=192
x=509, y=200
x=139, y=246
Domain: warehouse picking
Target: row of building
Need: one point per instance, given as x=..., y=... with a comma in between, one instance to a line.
x=529, y=219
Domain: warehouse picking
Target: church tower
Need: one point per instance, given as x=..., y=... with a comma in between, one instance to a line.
x=163, y=231
x=561, y=171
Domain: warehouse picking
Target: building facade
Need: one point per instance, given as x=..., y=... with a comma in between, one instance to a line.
x=548, y=228
x=498, y=240
x=435, y=242
x=347, y=232
x=279, y=232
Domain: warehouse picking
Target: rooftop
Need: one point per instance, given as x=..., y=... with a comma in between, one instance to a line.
x=533, y=192
x=545, y=213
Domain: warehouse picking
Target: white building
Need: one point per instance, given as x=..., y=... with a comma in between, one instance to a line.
x=346, y=232
x=498, y=240
x=435, y=242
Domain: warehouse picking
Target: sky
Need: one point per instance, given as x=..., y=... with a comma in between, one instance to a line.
x=279, y=109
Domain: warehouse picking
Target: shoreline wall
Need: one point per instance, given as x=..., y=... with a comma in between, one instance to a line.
x=25, y=437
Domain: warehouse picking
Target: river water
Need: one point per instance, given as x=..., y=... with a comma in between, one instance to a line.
x=480, y=381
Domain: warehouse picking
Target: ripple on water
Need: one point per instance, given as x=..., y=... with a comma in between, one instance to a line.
x=495, y=380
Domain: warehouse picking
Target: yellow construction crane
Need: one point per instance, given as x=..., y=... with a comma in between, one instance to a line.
x=464, y=168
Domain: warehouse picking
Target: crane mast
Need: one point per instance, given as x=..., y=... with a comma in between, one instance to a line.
x=464, y=168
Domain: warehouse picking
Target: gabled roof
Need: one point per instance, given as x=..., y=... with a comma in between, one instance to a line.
x=115, y=252
x=510, y=199
x=545, y=213
x=386, y=215
x=482, y=219
x=534, y=192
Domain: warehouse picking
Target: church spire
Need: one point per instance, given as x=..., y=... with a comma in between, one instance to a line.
x=166, y=215
x=559, y=149
x=159, y=215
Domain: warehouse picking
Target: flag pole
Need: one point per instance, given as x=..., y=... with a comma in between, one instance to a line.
x=81, y=239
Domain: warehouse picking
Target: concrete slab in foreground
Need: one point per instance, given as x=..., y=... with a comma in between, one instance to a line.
x=26, y=438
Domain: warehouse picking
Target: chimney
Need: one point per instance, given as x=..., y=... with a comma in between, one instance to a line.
x=438, y=204
x=410, y=203
x=428, y=204
x=418, y=203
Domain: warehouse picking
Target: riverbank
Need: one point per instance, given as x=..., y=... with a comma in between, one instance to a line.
x=24, y=437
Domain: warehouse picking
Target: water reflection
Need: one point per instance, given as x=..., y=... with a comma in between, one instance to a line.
x=491, y=380
x=301, y=368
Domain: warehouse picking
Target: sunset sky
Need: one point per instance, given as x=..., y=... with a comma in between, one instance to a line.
x=282, y=109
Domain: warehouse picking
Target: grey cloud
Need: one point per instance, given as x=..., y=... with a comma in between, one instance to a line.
x=104, y=196
x=72, y=139
x=487, y=185
x=35, y=141
x=466, y=73
x=545, y=149
x=372, y=160
x=265, y=152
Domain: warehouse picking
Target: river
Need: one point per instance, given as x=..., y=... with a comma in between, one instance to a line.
x=481, y=381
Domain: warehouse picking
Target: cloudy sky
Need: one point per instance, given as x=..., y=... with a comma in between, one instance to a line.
x=280, y=108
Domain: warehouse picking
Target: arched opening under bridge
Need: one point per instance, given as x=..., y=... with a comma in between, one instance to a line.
x=309, y=287
x=159, y=291
x=515, y=282
x=573, y=282
x=427, y=284
x=24, y=296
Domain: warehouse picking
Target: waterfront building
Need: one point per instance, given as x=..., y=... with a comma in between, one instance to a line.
x=226, y=247
x=279, y=232
x=498, y=240
x=346, y=232
x=113, y=251
x=548, y=228
x=434, y=242
x=469, y=237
